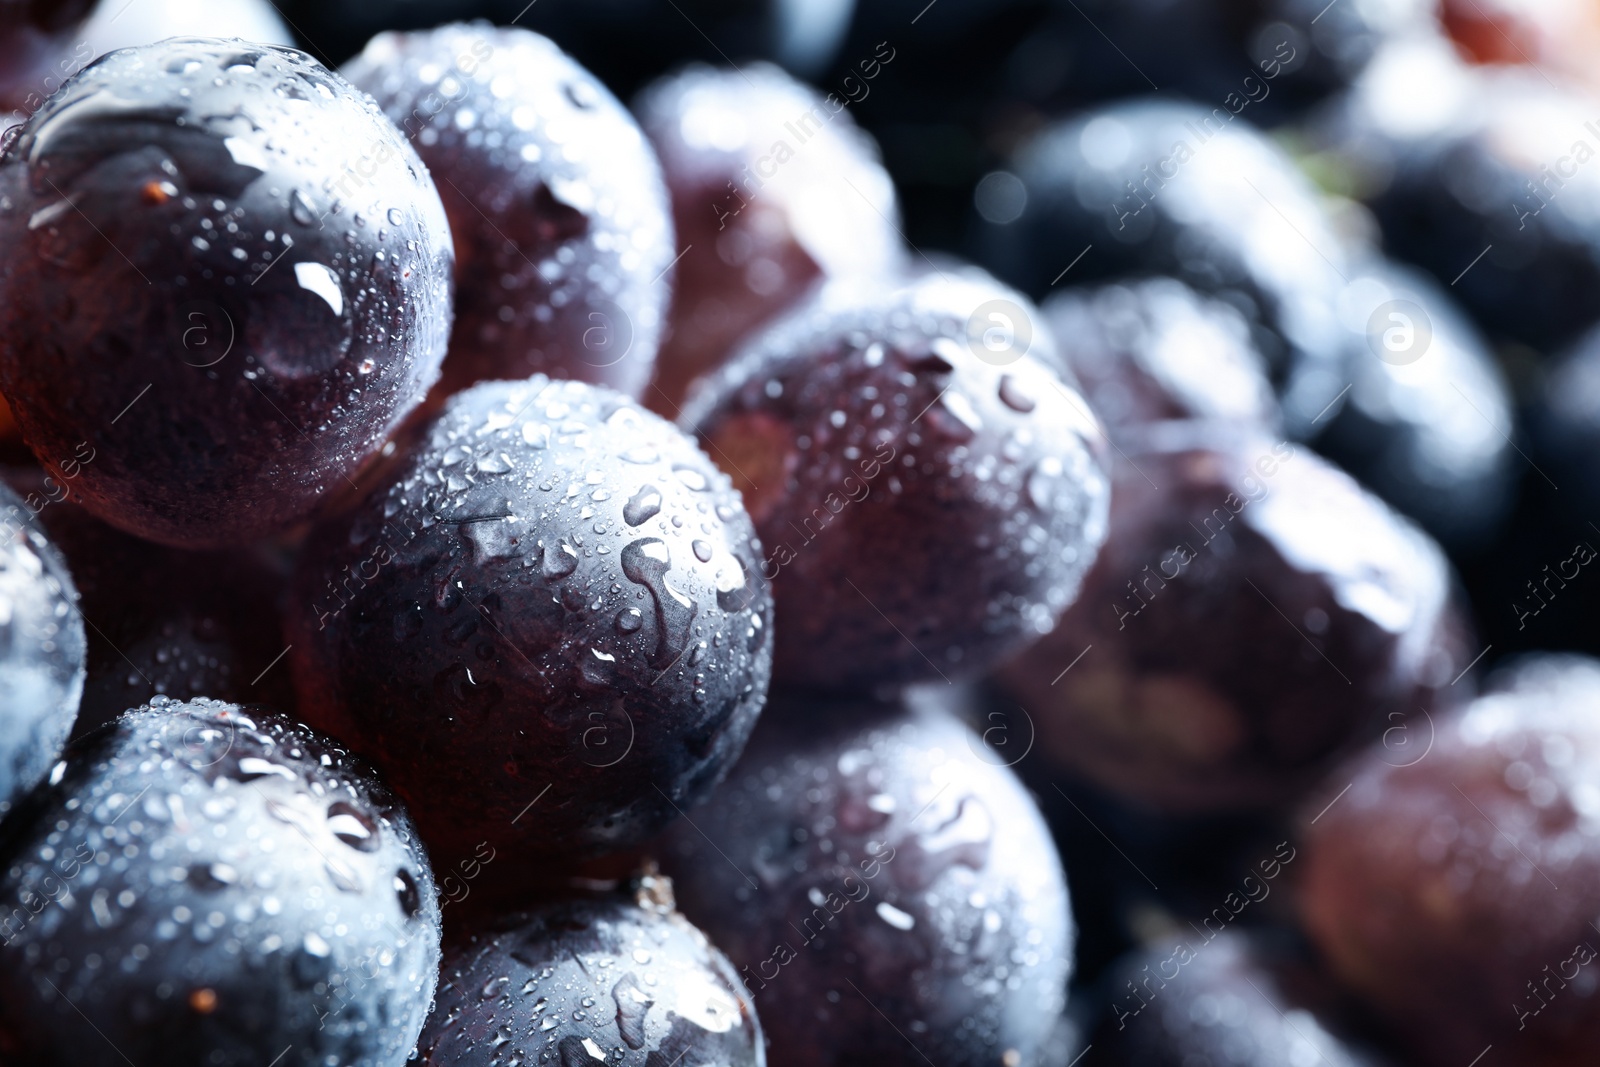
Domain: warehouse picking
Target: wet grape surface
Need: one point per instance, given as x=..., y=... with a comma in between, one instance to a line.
x=42, y=651
x=198, y=883
x=1253, y=619
x=602, y=978
x=556, y=592
x=230, y=279
x=887, y=892
x=928, y=504
x=562, y=233
x=1456, y=894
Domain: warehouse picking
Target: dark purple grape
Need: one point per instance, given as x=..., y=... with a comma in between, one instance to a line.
x=1479, y=176
x=1153, y=186
x=1253, y=616
x=1220, y=999
x=563, y=235
x=594, y=980
x=199, y=885
x=1456, y=892
x=1149, y=350
x=229, y=277
x=42, y=651
x=1427, y=422
x=887, y=890
x=549, y=628
x=162, y=621
x=928, y=489
x=773, y=189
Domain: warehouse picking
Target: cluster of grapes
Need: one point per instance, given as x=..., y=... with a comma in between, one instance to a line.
x=493, y=577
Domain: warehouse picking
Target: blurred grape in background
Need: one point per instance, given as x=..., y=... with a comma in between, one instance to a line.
x=1141, y=426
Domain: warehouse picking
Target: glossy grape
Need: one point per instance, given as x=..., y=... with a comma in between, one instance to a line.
x=562, y=233
x=1477, y=175
x=1149, y=185
x=197, y=885
x=773, y=190
x=1456, y=891
x=928, y=490
x=42, y=652
x=886, y=888
x=549, y=629
x=1247, y=623
x=229, y=278
x=1220, y=998
x=1149, y=350
x=1427, y=422
x=609, y=977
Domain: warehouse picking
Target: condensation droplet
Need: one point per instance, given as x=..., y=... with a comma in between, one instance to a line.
x=642, y=506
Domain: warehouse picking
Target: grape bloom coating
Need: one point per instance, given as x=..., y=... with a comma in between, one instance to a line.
x=549, y=629
x=227, y=275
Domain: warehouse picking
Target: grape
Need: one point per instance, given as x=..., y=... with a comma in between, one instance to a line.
x=1423, y=424
x=229, y=278
x=1219, y=999
x=1150, y=185
x=773, y=190
x=1456, y=891
x=548, y=629
x=199, y=885
x=592, y=979
x=886, y=889
x=562, y=233
x=42, y=651
x=1155, y=349
x=928, y=490
x=1481, y=181
x=1248, y=623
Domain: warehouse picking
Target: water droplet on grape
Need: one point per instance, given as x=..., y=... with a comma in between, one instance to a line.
x=1014, y=396
x=302, y=209
x=560, y=560
x=353, y=826
x=642, y=506
x=692, y=478
x=646, y=562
